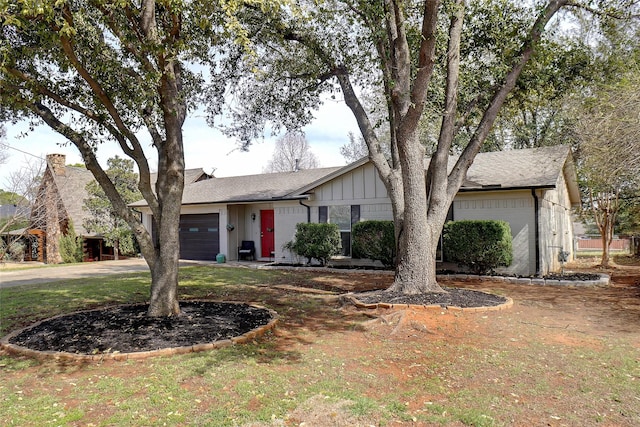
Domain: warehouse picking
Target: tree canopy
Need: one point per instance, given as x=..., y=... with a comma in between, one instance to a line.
x=608, y=153
x=292, y=152
x=443, y=69
x=124, y=73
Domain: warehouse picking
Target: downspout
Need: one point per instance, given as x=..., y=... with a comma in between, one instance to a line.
x=536, y=228
x=308, y=211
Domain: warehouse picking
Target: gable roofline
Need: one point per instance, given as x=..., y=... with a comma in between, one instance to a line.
x=536, y=168
x=343, y=170
x=249, y=188
x=238, y=201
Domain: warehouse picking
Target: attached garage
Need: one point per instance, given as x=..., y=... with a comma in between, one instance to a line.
x=199, y=236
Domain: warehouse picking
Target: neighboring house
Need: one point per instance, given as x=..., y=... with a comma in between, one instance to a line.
x=60, y=202
x=13, y=211
x=533, y=190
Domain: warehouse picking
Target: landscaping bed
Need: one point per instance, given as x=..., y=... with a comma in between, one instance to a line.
x=126, y=329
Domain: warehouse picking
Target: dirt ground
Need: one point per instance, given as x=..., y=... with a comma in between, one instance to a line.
x=547, y=324
x=526, y=355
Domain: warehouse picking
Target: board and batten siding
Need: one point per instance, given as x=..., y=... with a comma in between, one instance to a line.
x=359, y=187
x=287, y=215
x=515, y=207
x=556, y=229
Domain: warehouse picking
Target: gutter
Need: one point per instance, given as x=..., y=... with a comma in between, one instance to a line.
x=308, y=211
x=230, y=202
x=536, y=228
x=501, y=188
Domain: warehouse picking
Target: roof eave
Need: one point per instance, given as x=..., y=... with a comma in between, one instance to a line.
x=510, y=188
x=234, y=201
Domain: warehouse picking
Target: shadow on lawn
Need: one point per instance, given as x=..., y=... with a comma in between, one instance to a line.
x=303, y=319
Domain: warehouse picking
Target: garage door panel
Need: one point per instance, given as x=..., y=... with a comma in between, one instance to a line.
x=199, y=236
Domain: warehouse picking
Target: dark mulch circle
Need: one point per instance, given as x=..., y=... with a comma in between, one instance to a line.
x=128, y=329
x=574, y=277
x=453, y=297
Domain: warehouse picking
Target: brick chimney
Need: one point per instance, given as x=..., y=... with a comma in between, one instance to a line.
x=56, y=162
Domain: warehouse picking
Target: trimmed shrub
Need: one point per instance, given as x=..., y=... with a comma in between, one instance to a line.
x=319, y=241
x=374, y=240
x=479, y=245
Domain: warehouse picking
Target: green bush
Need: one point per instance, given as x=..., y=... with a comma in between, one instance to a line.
x=374, y=240
x=479, y=245
x=16, y=251
x=319, y=241
x=70, y=246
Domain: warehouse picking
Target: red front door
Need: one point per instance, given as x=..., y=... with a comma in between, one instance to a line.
x=267, y=236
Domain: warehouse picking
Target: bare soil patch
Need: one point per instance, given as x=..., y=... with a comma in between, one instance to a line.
x=452, y=297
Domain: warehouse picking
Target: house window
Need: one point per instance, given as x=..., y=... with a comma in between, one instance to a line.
x=323, y=214
x=344, y=217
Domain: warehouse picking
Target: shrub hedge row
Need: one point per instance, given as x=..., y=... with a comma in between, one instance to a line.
x=478, y=245
x=481, y=246
x=374, y=240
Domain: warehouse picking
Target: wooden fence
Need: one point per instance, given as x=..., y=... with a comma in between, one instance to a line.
x=617, y=245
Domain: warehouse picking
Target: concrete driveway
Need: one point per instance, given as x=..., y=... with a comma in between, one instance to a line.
x=58, y=273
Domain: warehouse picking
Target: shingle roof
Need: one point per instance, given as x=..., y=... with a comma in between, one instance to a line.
x=533, y=167
x=250, y=188
x=72, y=189
x=527, y=168
x=190, y=176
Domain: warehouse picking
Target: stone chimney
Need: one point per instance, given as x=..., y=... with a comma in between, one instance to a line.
x=56, y=162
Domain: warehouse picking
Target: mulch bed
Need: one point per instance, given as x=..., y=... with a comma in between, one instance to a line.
x=127, y=329
x=453, y=297
x=575, y=277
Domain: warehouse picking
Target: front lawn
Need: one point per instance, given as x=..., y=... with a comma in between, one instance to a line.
x=558, y=357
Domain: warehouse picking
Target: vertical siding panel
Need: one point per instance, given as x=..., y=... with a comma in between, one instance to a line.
x=336, y=189
x=381, y=190
x=326, y=192
x=358, y=183
x=347, y=187
x=369, y=182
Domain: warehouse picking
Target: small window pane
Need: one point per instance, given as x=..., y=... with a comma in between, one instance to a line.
x=341, y=216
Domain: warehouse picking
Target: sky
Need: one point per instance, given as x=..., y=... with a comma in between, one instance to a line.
x=205, y=147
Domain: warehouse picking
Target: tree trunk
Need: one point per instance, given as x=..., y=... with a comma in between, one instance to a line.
x=417, y=235
x=606, y=233
x=165, y=253
x=164, y=285
x=169, y=187
x=116, y=250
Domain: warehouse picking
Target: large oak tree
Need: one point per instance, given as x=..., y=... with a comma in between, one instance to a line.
x=120, y=72
x=455, y=61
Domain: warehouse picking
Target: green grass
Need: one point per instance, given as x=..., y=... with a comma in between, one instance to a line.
x=310, y=367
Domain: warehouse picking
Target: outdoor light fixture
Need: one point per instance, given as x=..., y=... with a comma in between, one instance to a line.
x=253, y=217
